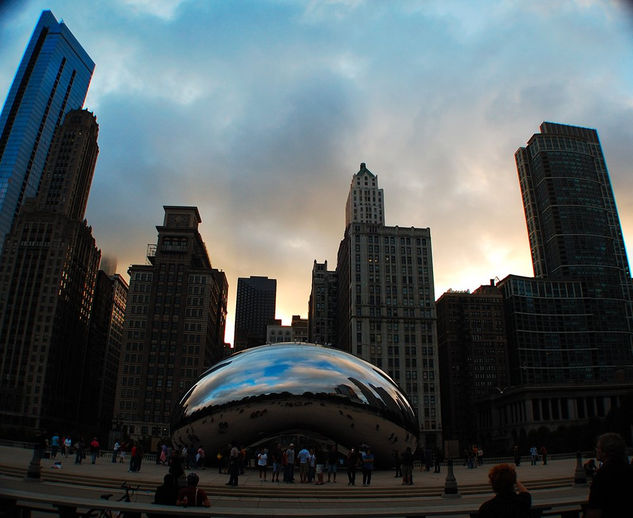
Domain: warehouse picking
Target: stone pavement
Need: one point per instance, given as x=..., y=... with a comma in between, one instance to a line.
x=546, y=483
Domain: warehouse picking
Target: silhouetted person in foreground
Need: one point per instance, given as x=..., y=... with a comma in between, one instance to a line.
x=192, y=495
x=512, y=500
x=610, y=493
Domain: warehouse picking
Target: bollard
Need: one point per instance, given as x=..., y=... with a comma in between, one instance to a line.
x=450, y=487
x=580, y=478
x=34, y=471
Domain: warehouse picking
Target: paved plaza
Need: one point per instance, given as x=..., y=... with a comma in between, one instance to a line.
x=547, y=483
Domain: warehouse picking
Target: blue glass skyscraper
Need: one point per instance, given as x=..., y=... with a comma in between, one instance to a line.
x=52, y=79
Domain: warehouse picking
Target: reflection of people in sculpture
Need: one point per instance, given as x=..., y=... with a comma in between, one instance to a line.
x=511, y=499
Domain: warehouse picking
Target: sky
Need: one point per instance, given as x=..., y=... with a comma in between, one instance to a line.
x=260, y=112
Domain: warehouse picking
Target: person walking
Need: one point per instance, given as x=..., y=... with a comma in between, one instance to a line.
x=407, y=467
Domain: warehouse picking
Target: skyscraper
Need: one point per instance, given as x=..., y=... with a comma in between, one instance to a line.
x=174, y=325
x=322, y=305
x=386, y=301
x=52, y=79
x=47, y=277
x=579, y=259
x=254, y=310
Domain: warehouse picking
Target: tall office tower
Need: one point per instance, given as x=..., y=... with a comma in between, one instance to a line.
x=174, y=325
x=472, y=345
x=577, y=245
x=254, y=310
x=105, y=338
x=365, y=203
x=386, y=302
x=52, y=79
x=322, y=305
x=47, y=276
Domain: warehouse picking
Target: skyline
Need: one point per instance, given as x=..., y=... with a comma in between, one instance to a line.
x=413, y=89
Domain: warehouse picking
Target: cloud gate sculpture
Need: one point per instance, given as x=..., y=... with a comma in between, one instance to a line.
x=290, y=389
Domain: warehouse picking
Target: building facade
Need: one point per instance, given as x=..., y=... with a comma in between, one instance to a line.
x=386, y=301
x=322, y=306
x=52, y=79
x=578, y=250
x=254, y=310
x=174, y=326
x=105, y=339
x=472, y=347
x=48, y=269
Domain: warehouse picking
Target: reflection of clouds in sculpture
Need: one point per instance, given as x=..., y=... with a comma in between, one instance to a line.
x=263, y=391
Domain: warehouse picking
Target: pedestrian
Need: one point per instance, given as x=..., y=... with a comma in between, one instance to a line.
x=544, y=455
x=319, y=461
x=610, y=492
x=407, y=467
x=68, y=442
x=351, y=464
x=94, y=449
x=437, y=459
x=368, y=466
x=517, y=455
x=234, y=465
x=303, y=456
x=115, y=451
x=332, y=463
x=397, y=463
x=533, y=455
x=79, y=451
x=54, y=445
x=262, y=463
x=139, y=457
x=289, y=464
x=507, y=500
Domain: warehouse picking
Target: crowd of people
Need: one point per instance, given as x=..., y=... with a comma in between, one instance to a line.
x=610, y=473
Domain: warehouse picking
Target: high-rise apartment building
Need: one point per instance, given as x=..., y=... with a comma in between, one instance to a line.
x=47, y=276
x=52, y=79
x=174, y=325
x=386, y=301
x=578, y=250
x=254, y=310
x=472, y=347
x=322, y=306
x=570, y=341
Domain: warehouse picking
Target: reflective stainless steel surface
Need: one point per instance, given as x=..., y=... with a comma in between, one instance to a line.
x=291, y=388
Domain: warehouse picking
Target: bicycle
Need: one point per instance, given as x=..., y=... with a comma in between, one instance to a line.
x=109, y=513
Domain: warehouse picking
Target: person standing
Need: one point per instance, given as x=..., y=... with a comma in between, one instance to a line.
x=234, y=465
x=407, y=467
x=289, y=466
x=507, y=500
x=610, y=492
x=332, y=462
x=517, y=455
x=397, y=463
x=368, y=466
x=115, y=451
x=351, y=464
x=133, y=458
x=262, y=464
x=544, y=455
x=54, y=445
x=533, y=455
x=79, y=451
x=94, y=449
x=304, y=457
x=68, y=442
